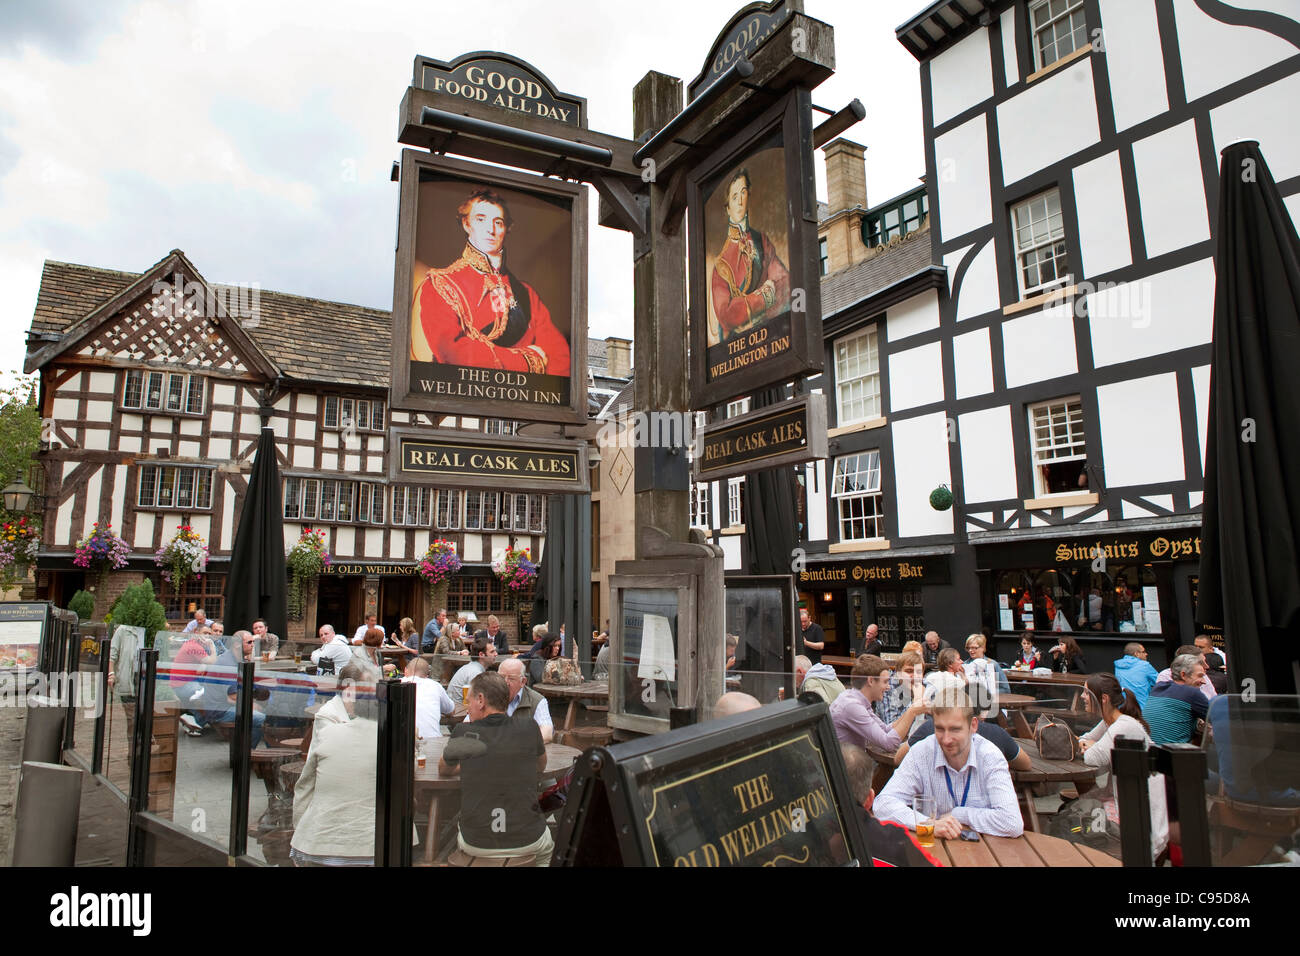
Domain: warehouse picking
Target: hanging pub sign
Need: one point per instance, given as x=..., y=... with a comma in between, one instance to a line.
x=743, y=34
x=762, y=788
x=499, y=81
x=788, y=433
x=755, y=288
x=489, y=295
x=453, y=458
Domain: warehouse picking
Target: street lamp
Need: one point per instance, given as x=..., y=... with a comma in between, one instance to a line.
x=17, y=496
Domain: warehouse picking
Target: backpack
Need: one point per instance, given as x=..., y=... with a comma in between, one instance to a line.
x=1083, y=820
x=1055, y=740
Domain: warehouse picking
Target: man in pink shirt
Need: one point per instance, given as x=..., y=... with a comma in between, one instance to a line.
x=854, y=715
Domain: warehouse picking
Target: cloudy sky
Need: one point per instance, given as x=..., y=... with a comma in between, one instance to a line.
x=258, y=136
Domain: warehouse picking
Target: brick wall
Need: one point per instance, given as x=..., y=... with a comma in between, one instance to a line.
x=111, y=587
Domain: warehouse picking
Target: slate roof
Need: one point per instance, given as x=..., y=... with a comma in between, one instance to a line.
x=899, y=259
x=308, y=339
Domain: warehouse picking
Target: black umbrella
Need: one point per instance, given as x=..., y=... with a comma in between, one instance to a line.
x=1250, y=536
x=257, y=584
x=771, y=530
x=541, y=584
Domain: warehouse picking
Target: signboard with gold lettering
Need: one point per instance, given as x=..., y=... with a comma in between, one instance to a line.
x=926, y=569
x=788, y=433
x=463, y=459
x=1174, y=544
x=501, y=81
x=744, y=33
x=763, y=788
x=755, y=288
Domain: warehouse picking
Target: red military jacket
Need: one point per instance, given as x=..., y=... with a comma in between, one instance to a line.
x=748, y=260
x=471, y=314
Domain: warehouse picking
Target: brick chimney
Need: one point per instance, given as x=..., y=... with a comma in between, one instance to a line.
x=618, y=357
x=846, y=195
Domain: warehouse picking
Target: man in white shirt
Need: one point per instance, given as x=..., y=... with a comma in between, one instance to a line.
x=431, y=701
x=1205, y=644
x=199, y=621
x=333, y=648
x=964, y=773
x=360, y=635
x=483, y=652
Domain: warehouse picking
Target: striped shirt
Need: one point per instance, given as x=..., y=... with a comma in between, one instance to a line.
x=1171, y=711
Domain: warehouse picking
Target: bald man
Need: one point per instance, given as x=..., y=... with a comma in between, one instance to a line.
x=734, y=702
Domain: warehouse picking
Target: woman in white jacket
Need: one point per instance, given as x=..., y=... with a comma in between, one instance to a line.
x=1122, y=717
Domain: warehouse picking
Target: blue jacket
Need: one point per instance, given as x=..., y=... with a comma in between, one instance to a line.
x=1136, y=676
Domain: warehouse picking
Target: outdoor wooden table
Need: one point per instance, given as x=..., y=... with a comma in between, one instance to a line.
x=1049, y=771
x=1030, y=849
x=1019, y=727
x=1069, y=686
x=840, y=663
x=559, y=758
x=587, y=690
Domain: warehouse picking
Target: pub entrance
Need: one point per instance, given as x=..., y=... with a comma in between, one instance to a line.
x=340, y=603
x=399, y=597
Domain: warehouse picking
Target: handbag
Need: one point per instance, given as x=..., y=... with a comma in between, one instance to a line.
x=1055, y=741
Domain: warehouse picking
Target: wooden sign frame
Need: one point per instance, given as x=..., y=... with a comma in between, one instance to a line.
x=812, y=409
x=403, y=393
x=497, y=445
x=801, y=351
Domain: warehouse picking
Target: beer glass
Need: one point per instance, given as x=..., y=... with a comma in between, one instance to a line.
x=926, y=818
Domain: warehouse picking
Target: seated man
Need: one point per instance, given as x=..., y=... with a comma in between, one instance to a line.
x=905, y=685
x=431, y=701
x=601, y=669
x=932, y=646
x=948, y=673
x=525, y=700
x=963, y=772
x=334, y=649
x=1134, y=673
x=498, y=759
x=496, y=634
x=432, y=631
x=854, y=715
x=221, y=686
x=483, y=652
x=891, y=844
x=1205, y=644
x=816, y=679
x=372, y=623
x=198, y=622
x=264, y=641
x=1166, y=675
x=735, y=702
x=1174, y=706
x=1017, y=759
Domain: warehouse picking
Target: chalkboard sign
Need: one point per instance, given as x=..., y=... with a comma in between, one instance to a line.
x=763, y=788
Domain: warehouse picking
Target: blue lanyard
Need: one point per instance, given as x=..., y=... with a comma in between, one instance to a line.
x=964, y=794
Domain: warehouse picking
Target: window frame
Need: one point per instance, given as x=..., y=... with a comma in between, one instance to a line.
x=872, y=334
x=1033, y=31
x=1070, y=403
x=185, y=385
x=337, y=408
x=845, y=498
x=1062, y=279
x=736, y=502
x=154, y=473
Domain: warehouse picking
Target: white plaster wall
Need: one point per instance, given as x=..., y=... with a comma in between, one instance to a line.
x=1039, y=346
x=473, y=548
x=144, y=525
x=65, y=411
x=307, y=403
x=229, y=519
x=345, y=540
x=988, y=454
x=731, y=548
x=103, y=382
x=1141, y=431
x=374, y=543
x=960, y=77
x=1215, y=54
x=1171, y=189
x=961, y=159
x=397, y=544
x=920, y=313
x=1267, y=115
x=815, y=477
x=223, y=394
x=94, y=438
x=303, y=456
x=1201, y=388
x=1103, y=222
x=915, y=377
x=119, y=496
x=972, y=363
x=920, y=465
x=1010, y=65
x=1133, y=61
x=1051, y=119
x=1164, y=312
x=94, y=496
x=978, y=294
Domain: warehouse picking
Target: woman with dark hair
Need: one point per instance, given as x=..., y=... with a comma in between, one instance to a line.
x=549, y=649
x=1067, y=658
x=1030, y=656
x=1121, y=717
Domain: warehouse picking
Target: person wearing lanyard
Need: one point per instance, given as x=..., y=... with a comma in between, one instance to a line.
x=965, y=773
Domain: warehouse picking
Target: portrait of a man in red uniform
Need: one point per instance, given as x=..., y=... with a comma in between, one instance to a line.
x=475, y=312
x=749, y=283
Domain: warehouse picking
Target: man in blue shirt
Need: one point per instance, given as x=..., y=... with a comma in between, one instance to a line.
x=1134, y=673
x=1174, y=706
x=433, y=631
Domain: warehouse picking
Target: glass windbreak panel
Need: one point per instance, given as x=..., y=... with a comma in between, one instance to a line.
x=119, y=717
x=1253, y=749
x=194, y=712
x=649, y=665
x=90, y=697
x=758, y=643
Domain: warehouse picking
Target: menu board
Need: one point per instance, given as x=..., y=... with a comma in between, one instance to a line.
x=22, y=625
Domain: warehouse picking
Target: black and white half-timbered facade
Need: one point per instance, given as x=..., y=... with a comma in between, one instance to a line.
x=1056, y=375
x=154, y=388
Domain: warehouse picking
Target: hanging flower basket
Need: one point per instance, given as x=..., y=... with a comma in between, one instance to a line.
x=437, y=566
x=941, y=498
x=19, y=542
x=305, y=560
x=101, y=551
x=184, y=557
x=515, y=570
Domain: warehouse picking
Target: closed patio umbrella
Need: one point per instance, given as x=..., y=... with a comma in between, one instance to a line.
x=1250, y=537
x=257, y=585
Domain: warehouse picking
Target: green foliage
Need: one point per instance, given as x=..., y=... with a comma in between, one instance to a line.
x=20, y=431
x=138, y=608
x=83, y=605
